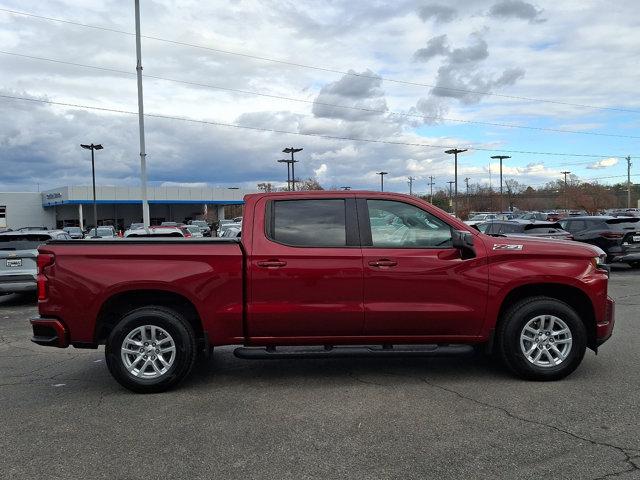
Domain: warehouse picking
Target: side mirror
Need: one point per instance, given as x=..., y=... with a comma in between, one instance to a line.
x=463, y=241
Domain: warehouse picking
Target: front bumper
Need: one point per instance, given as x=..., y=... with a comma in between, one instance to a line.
x=49, y=332
x=604, y=329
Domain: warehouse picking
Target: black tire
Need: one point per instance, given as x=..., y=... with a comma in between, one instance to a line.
x=178, y=328
x=512, y=324
x=634, y=264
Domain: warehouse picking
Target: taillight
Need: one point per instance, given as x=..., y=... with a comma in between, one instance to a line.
x=612, y=234
x=44, y=260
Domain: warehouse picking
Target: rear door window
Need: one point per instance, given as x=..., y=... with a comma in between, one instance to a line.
x=309, y=223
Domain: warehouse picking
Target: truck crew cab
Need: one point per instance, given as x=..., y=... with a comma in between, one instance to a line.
x=325, y=274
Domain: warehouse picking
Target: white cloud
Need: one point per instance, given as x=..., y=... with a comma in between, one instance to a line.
x=604, y=163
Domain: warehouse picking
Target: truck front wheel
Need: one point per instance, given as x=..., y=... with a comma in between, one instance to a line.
x=541, y=338
x=151, y=349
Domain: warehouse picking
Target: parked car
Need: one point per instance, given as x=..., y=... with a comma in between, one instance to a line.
x=314, y=276
x=74, y=232
x=204, y=227
x=102, y=232
x=619, y=237
x=484, y=217
x=515, y=228
x=155, y=232
x=31, y=229
x=191, y=231
x=18, y=258
x=136, y=226
x=224, y=224
x=232, y=232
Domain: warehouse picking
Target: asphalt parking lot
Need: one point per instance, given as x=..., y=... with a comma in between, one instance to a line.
x=63, y=416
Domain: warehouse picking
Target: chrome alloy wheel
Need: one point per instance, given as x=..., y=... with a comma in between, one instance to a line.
x=148, y=352
x=546, y=341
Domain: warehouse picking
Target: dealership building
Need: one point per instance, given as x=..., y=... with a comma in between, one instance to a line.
x=118, y=206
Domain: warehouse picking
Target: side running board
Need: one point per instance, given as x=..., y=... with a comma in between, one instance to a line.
x=330, y=351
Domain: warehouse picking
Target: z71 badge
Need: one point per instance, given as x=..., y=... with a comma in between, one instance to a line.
x=506, y=246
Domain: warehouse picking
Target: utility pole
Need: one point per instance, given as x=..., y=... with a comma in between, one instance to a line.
x=628, y=181
x=292, y=150
x=431, y=183
x=410, y=182
x=455, y=152
x=466, y=181
x=566, y=196
x=451, y=182
x=143, y=153
x=288, y=162
x=382, y=174
x=501, y=157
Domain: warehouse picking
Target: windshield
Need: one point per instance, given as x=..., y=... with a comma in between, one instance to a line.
x=24, y=241
x=478, y=217
x=102, y=232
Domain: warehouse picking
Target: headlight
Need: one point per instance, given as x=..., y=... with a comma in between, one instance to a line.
x=599, y=262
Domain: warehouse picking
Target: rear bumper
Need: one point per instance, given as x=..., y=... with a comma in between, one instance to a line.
x=604, y=329
x=8, y=285
x=49, y=332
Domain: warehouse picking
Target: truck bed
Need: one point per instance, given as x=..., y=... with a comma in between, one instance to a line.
x=89, y=277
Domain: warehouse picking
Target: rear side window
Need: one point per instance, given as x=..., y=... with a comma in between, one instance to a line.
x=309, y=223
x=508, y=228
x=22, y=241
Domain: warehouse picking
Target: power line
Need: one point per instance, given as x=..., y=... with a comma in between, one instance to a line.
x=318, y=68
x=287, y=132
x=315, y=102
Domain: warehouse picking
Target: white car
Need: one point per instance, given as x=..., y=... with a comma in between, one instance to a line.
x=156, y=232
x=484, y=217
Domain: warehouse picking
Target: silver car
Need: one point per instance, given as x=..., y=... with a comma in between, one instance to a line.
x=18, y=258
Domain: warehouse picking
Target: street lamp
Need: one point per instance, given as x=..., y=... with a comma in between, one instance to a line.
x=500, y=157
x=455, y=152
x=382, y=174
x=292, y=150
x=93, y=147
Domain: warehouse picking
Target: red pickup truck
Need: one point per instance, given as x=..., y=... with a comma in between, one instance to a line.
x=322, y=274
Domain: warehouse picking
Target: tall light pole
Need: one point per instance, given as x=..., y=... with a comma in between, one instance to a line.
x=455, y=152
x=501, y=158
x=93, y=147
x=292, y=150
x=288, y=162
x=382, y=174
x=143, y=153
x=566, y=196
x=411, y=179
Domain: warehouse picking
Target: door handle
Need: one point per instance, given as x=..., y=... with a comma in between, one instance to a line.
x=383, y=262
x=272, y=263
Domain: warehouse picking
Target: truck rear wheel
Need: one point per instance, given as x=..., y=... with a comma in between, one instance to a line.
x=151, y=349
x=541, y=338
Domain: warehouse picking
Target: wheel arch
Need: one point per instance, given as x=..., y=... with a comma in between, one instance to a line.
x=114, y=307
x=571, y=295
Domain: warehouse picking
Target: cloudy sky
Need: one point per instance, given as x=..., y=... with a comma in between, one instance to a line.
x=414, y=76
